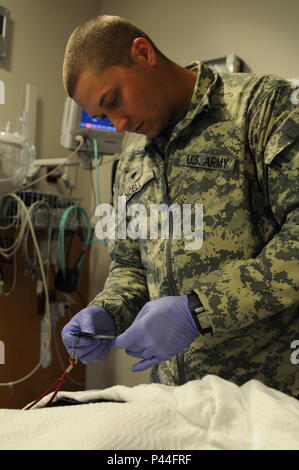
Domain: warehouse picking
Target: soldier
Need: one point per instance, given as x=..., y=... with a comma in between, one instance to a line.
x=228, y=142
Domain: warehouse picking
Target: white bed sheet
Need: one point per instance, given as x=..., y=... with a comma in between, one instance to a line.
x=210, y=413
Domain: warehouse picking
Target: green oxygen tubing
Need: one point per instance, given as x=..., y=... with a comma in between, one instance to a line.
x=61, y=236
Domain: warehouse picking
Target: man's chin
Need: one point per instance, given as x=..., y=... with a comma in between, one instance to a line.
x=149, y=133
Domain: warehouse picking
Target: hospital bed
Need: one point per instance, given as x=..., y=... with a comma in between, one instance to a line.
x=210, y=414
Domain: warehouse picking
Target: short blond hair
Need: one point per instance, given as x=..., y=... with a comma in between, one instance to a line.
x=97, y=44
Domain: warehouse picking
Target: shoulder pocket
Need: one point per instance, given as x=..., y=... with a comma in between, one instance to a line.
x=137, y=179
x=285, y=135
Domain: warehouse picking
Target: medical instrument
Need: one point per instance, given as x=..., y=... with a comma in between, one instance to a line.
x=58, y=383
x=94, y=320
x=77, y=122
x=85, y=334
x=56, y=386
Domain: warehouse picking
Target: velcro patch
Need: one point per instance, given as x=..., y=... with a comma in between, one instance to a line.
x=133, y=188
x=213, y=162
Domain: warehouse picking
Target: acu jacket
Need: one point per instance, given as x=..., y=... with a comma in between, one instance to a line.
x=235, y=154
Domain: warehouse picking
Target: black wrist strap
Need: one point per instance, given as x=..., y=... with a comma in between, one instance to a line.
x=196, y=309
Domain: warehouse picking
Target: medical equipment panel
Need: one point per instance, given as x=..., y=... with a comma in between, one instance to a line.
x=76, y=122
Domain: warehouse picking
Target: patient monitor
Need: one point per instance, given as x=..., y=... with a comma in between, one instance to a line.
x=77, y=122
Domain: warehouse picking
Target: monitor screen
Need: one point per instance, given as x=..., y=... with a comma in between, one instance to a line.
x=102, y=124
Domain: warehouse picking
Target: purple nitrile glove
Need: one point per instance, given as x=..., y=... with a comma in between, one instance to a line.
x=95, y=320
x=162, y=329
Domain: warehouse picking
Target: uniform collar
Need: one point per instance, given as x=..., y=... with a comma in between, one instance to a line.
x=205, y=80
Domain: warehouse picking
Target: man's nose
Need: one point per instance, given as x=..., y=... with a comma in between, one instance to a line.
x=121, y=123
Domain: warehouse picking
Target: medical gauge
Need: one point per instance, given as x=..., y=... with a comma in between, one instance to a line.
x=76, y=122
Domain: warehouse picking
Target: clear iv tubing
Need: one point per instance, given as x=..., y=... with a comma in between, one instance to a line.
x=56, y=167
x=47, y=312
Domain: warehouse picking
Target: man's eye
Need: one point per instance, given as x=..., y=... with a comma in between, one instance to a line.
x=113, y=102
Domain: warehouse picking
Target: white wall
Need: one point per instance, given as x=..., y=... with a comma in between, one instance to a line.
x=39, y=32
x=262, y=32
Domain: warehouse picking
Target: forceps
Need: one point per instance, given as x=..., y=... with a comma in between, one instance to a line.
x=85, y=334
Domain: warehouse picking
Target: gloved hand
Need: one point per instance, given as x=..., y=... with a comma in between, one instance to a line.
x=163, y=328
x=95, y=320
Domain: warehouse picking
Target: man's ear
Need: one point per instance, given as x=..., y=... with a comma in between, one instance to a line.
x=143, y=52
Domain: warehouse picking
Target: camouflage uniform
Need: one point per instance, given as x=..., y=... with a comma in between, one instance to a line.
x=236, y=151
